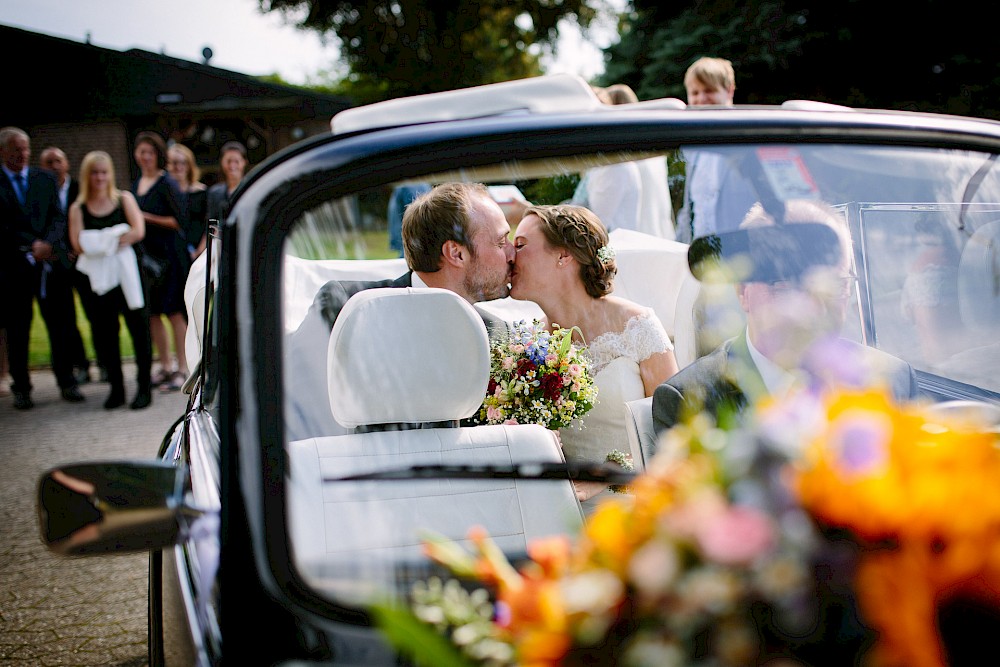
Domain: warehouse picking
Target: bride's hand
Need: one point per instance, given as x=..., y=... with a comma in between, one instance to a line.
x=587, y=490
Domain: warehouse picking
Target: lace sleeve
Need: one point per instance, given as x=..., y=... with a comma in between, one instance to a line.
x=645, y=336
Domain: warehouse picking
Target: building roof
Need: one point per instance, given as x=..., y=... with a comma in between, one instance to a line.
x=61, y=80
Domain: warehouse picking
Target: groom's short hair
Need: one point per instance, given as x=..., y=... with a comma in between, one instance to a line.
x=443, y=214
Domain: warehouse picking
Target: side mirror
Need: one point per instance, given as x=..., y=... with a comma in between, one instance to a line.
x=768, y=254
x=113, y=507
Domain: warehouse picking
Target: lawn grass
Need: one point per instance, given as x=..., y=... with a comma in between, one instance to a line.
x=39, y=355
x=368, y=244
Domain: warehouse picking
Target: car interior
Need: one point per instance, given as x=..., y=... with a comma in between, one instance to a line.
x=698, y=315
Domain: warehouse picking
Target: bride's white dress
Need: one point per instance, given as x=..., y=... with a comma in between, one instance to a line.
x=615, y=358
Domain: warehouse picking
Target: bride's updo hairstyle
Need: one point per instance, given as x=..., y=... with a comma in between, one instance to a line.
x=581, y=232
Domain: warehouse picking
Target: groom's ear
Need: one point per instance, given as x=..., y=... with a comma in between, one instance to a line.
x=454, y=253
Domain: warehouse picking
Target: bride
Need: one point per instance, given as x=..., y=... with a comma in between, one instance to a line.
x=564, y=263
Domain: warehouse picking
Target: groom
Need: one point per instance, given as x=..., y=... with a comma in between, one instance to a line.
x=455, y=237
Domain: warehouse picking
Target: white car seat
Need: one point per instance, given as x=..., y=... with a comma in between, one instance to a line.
x=405, y=364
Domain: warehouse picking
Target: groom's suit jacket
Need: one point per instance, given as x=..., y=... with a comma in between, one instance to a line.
x=307, y=412
x=725, y=379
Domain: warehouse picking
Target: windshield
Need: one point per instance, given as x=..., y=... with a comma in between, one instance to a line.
x=382, y=382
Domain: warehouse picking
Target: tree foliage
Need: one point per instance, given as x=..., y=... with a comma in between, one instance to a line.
x=925, y=55
x=406, y=47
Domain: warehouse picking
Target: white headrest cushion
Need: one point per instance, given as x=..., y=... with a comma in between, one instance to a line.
x=407, y=355
x=977, y=295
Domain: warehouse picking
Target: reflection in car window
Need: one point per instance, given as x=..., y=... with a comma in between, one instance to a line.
x=931, y=279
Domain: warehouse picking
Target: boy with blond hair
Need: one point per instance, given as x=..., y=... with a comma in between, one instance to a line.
x=710, y=81
x=716, y=197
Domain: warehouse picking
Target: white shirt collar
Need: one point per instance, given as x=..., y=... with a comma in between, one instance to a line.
x=415, y=280
x=12, y=174
x=777, y=380
x=64, y=194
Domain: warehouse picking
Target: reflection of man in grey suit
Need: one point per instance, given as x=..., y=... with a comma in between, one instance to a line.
x=455, y=237
x=791, y=335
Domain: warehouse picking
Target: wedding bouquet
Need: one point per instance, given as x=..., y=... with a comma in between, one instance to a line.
x=537, y=377
x=750, y=545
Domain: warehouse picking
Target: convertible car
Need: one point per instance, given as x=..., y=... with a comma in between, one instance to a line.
x=291, y=494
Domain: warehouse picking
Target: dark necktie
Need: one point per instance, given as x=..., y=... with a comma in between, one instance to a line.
x=19, y=187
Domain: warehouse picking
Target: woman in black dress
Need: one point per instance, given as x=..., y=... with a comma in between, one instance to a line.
x=183, y=167
x=167, y=261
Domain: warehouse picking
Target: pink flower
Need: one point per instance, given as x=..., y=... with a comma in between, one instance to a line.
x=508, y=363
x=737, y=536
x=510, y=422
x=493, y=413
x=552, y=359
x=575, y=370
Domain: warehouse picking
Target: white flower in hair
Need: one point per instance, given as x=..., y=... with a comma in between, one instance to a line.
x=606, y=254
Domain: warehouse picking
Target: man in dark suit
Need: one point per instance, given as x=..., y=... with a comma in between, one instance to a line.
x=791, y=336
x=34, y=264
x=455, y=237
x=54, y=159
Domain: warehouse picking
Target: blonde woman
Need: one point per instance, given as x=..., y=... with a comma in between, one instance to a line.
x=104, y=225
x=183, y=167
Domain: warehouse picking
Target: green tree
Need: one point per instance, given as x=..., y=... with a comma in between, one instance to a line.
x=923, y=55
x=408, y=47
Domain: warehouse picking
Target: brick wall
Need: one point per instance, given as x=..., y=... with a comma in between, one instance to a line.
x=78, y=139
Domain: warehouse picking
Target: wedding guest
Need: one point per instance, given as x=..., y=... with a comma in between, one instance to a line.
x=183, y=167
x=788, y=326
x=656, y=214
x=716, y=196
x=164, y=259
x=4, y=390
x=566, y=265
x=104, y=225
x=401, y=197
x=455, y=237
x=34, y=265
x=612, y=191
x=55, y=160
x=233, y=167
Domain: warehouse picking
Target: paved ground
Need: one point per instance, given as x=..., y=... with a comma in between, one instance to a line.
x=70, y=611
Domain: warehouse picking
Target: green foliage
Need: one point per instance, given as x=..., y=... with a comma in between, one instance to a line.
x=941, y=58
x=419, y=641
x=554, y=190
x=409, y=47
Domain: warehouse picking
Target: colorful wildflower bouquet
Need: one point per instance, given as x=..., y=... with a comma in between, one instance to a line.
x=538, y=377
x=748, y=545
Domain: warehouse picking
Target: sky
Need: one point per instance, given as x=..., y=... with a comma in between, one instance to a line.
x=241, y=38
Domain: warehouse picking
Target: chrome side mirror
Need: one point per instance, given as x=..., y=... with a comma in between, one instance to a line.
x=113, y=507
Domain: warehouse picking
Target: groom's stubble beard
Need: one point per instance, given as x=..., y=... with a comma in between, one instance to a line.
x=484, y=284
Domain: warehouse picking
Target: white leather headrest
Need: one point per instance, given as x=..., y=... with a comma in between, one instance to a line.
x=978, y=297
x=407, y=355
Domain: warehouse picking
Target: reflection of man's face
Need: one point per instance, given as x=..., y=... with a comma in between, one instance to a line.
x=784, y=319
x=488, y=275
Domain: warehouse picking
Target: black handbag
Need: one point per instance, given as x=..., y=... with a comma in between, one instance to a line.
x=153, y=267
